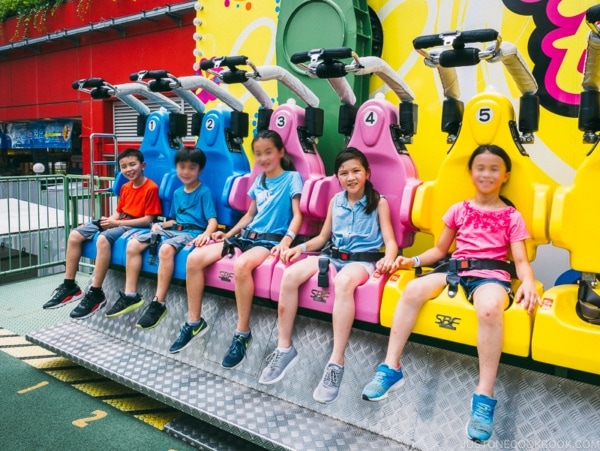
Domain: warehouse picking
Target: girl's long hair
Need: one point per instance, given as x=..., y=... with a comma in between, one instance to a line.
x=286, y=161
x=352, y=153
x=499, y=152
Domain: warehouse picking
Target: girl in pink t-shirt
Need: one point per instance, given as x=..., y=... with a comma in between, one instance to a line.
x=485, y=227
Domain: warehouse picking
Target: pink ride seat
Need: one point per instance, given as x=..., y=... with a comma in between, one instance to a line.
x=394, y=175
x=285, y=120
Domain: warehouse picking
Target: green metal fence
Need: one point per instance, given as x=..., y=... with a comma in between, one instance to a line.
x=36, y=215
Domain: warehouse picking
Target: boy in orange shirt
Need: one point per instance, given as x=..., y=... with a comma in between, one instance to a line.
x=138, y=206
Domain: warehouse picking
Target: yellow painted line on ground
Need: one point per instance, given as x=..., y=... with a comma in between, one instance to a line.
x=33, y=387
x=60, y=368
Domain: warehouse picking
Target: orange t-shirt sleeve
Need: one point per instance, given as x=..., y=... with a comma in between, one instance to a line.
x=139, y=202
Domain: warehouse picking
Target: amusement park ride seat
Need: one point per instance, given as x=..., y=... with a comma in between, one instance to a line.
x=561, y=334
x=298, y=128
x=376, y=132
x=488, y=118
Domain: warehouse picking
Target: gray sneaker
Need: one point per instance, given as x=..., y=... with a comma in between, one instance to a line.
x=277, y=364
x=329, y=387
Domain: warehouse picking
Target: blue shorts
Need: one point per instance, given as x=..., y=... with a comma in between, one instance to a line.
x=470, y=284
x=177, y=239
x=338, y=264
x=245, y=244
x=90, y=229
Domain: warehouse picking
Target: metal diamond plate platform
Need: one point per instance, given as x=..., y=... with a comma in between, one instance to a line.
x=429, y=412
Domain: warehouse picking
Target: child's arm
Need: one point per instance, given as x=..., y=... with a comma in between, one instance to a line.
x=114, y=221
x=526, y=294
x=314, y=244
x=386, y=264
x=204, y=237
x=243, y=222
x=431, y=255
x=294, y=227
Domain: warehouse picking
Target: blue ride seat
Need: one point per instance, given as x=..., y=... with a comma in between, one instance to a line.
x=285, y=120
x=560, y=336
x=454, y=319
x=159, y=157
x=394, y=175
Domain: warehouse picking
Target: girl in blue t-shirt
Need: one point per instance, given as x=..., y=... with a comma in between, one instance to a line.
x=357, y=226
x=268, y=228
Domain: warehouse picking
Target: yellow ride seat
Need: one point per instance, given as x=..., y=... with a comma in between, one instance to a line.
x=560, y=336
x=488, y=119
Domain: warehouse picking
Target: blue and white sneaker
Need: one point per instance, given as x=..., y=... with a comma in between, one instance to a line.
x=386, y=380
x=481, y=424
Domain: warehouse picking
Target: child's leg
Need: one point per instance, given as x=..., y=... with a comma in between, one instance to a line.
x=199, y=258
x=166, y=266
x=416, y=293
x=244, y=283
x=133, y=265
x=103, y=254
x=346, y=281
x=74, y=244
x=489, y=301
x=294, y=276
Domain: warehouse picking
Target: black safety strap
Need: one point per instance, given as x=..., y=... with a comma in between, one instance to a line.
x=250, y=235
x=323, y=278
x=353, y=256
x=453, y=266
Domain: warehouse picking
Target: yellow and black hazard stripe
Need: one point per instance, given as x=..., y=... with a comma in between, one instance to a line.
x=119, y=396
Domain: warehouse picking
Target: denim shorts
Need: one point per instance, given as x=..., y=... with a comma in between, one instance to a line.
x=338, y=264
x=178, y=240
x=245, y=244
x=90, y=229
x=470, y=284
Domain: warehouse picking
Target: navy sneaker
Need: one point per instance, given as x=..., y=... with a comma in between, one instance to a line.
x=124, y=304
x=385, y=381
x=237, y=351
x=63, y=296
x=186, y=333
x=481, y=424
x=90, y=304
x=152, y=315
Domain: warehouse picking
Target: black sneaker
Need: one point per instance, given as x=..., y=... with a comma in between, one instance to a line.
x=63, y=296
x=124, y=304
x=88, y=306
x=152, y=315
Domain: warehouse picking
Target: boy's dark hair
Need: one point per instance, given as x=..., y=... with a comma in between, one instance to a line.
x=352, y=153
x=286, y=162
x=499, y=152
x=131, y=152
x=192, y=154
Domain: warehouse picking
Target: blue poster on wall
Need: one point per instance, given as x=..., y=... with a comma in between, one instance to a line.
x=38, y=135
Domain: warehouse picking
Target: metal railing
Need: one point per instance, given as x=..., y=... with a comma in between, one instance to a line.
x=37, y=214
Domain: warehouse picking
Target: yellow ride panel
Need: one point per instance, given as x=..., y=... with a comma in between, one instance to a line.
x=560, y=337
x=487, y=120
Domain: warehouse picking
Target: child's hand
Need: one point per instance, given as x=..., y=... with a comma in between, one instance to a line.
x=404, y=262
x=291, y=254
x=527, y=295
x=385, y=265
x=279, y=250
x=202, y=239
x=108, y=223
x=218, y=236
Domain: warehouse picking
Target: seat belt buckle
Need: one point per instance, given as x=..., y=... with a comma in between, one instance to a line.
x=323, y=278
x=452, y=279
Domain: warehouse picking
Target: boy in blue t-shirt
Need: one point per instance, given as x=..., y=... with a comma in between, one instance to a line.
x=192, y=218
